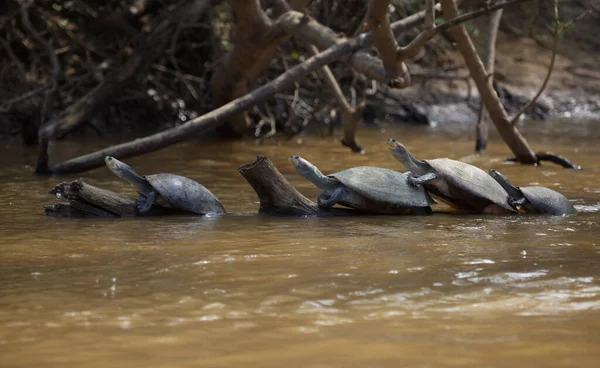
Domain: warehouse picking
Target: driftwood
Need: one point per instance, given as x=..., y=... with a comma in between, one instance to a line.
x=85, y=200
x=278, y=197
x=552, y=157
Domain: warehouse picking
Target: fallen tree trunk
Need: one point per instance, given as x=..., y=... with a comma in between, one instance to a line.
x=86, y=200
x=278, y=197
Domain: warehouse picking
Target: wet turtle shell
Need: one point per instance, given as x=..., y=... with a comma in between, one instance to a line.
x=545, y=200
x=186, y=194
x=466, y=186
x=385, y=190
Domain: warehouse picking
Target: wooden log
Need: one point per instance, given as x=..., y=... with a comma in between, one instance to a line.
x=278, y=197
x=76, y=209
x=86, y=200
x=78, y=190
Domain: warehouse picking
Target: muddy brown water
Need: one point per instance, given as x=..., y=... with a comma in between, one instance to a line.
x=243, y=290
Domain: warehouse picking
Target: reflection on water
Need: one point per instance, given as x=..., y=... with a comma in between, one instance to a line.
x=442, y=290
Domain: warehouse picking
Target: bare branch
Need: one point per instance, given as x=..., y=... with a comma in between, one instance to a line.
x=511, y=136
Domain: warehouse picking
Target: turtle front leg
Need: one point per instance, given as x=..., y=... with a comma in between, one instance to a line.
x=516, y=202
x=418, y=180
x=145, y=201
x=329, y=201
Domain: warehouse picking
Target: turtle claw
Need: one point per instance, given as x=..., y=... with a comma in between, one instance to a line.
x=516, y=203
x=418, y=180
x=145, y=202
x=327, y=201
x=412, y=181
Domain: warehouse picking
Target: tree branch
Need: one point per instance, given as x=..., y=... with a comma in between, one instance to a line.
x=509, y=133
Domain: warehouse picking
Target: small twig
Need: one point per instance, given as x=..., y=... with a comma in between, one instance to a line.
x=584, y=14
x=6, y=104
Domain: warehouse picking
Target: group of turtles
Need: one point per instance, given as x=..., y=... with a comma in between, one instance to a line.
x=372, y=189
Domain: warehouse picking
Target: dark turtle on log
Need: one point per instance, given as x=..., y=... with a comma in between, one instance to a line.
x=535, y=199
x=168, y=190
x=366, y=188
x=459, y=184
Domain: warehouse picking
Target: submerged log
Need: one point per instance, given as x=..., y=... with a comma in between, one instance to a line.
x=278, y=197
x=88, y=201
x=552, y=157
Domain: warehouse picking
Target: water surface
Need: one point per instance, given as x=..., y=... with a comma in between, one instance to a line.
x=244, y=290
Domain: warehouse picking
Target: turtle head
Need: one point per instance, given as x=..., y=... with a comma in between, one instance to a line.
x=398, y=150
x=302, y=166
x=116, y=166
x=402, y=154
x=309, y=171
x=123, y=170
x=497, y=175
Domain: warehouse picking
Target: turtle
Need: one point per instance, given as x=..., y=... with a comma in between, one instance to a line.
x=168, y=190
x=460, y=185
x=534, y=199
x=367, y=188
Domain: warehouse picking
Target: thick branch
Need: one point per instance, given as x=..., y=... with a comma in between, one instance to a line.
x=509, y=133
x=312, y=32
x=379, y=24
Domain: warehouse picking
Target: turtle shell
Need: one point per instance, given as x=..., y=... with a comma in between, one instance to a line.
x=467, y=186
x=186, y=194
x=548, y=201
x=383, y=186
